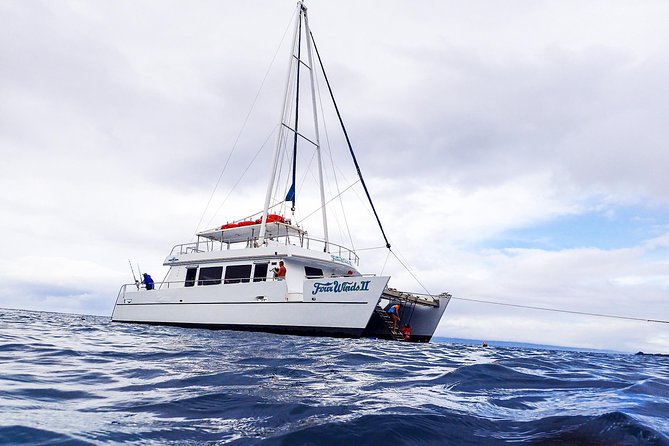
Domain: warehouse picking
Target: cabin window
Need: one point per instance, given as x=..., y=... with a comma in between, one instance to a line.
x=260, y=273
x=312, y=273
x=238, y=273
x=190, y=276
x=210, y=275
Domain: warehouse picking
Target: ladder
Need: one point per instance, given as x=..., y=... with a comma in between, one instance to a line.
x=385, y=317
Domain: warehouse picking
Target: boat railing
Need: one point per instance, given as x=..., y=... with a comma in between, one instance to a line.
x=208, y=245
x=183, y=284
x=207, y=282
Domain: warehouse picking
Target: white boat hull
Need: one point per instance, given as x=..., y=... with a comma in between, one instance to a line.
x=339, y=307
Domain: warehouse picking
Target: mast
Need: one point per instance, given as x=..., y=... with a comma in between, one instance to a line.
x=277, y=148
x=296, y=59
x=291, y=191
x=318, y=141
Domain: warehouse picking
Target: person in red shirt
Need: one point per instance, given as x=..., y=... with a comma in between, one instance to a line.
x=280, y=272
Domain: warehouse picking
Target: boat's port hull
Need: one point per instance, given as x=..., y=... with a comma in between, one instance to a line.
x=423, y=319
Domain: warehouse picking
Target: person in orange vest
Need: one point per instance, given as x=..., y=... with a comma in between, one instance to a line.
x=394, y=313
x=406, y=332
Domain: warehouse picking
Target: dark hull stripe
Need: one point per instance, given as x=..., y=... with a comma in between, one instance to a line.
x=336, y=332
x=291, y=330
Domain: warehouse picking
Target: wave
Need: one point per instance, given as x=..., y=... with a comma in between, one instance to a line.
x=429, y=429
x=25, y=435
x=68, y=380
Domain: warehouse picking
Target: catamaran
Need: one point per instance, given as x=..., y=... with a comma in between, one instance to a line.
x=266, y=273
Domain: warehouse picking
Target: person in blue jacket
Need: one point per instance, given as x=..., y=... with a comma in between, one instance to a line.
x=148, y=281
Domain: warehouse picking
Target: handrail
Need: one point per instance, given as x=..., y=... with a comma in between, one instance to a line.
x=304, y=242
x=181, y=283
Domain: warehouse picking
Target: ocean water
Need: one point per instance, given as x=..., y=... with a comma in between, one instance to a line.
x=76, y=380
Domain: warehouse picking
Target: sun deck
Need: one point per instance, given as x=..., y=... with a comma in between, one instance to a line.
x=246, y=236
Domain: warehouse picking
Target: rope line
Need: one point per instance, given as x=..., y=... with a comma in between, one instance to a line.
x=332, y=164
x=413, y=306
x=370, y=248
x=331, y=199
x=241, y=177
x=559, y=310
x=348, y=142
x=386, y=262
x=427, y=293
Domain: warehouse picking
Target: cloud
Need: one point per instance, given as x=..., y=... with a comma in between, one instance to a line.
x=622, y=282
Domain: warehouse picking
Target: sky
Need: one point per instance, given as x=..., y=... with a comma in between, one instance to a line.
x=516, y=152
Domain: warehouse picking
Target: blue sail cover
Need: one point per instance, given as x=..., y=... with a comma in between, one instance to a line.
x=290, y=196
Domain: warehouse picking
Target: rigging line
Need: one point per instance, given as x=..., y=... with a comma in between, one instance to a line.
x=313, y=177
x=412, y=306
x=334, y=172
x=348, y=141
x=307, y=172
x=248, y=115
x=384, y=263
x=341, y=204
x=330, y=200
x=335, y=211
x=241, y=177
x=288, y=106
x=287, y=159
x=404, y=263
x=283, y=142
x=559, y=310
x=285, y=118
x=336, y=169
x=410, y=272
x=369, y=249
x=336, y=217
x=328, y=185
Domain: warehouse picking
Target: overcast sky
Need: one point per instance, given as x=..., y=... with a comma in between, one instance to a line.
x=516, y=151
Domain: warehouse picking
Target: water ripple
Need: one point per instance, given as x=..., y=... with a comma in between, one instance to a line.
x=69, y=379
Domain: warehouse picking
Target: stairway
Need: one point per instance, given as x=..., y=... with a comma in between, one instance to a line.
x=385, y=317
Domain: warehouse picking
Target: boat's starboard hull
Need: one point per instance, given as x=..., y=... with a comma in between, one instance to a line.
x=334, y=307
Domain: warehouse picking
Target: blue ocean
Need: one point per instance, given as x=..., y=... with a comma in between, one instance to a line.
x=82, y=380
